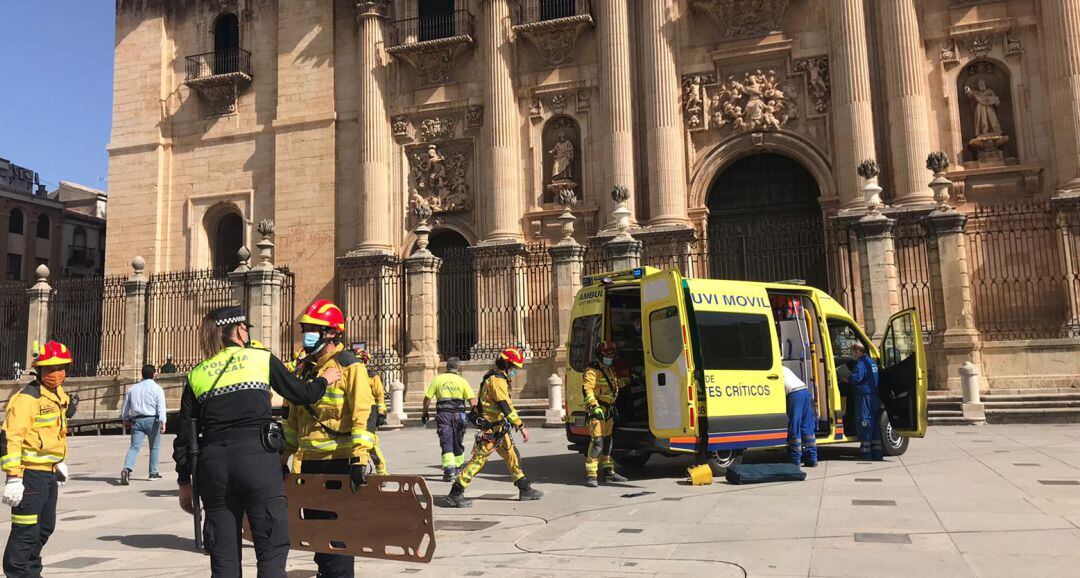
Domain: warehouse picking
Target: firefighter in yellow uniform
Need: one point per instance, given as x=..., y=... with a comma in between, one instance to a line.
x=33, y=448
x=495, y=418
x=333, y=436
x=378, y=392
x=601, y=387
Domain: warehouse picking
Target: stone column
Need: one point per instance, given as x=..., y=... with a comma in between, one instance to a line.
x=134, y=321
x=954, y=318
x=567, y=260
x=616, y=95
x=663, y=119
x=422, y=359
x=263, y=285
x=501, y=135
x=853, y=119
x=374, y=126
x=905, y=83
x=881, y=289
x=37, y=326
x=1061, y=32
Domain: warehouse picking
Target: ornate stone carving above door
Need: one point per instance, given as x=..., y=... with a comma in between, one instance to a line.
x=440, y=175
x=816, y=69
x=757, y=101
x=744, y=18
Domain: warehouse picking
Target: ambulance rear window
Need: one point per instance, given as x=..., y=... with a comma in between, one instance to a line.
x=734, y=341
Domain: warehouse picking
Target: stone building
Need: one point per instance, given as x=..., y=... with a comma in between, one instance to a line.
x=739, y=122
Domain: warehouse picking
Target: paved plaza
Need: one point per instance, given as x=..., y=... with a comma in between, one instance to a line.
x=977, y=501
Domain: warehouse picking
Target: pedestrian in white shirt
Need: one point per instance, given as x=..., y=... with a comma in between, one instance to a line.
x=802, y=437
x=144, y=414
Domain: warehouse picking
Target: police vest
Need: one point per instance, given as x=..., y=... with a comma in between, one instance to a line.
x=232, y=369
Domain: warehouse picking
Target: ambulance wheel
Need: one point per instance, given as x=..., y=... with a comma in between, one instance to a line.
x=720, y=461
x=894, y=444
x=632, y=459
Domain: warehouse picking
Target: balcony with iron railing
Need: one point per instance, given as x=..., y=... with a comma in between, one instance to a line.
x=431, y=42
x=553, y=26
x=81, y=256
x=219, y=76
x=551, y=12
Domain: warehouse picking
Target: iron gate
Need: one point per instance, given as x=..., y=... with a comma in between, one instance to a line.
x=776, y=247
x=14, y=313
x=87, y=315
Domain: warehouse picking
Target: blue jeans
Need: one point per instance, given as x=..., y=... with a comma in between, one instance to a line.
x=144, y=427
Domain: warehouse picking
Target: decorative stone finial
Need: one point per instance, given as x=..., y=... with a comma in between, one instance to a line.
x=566, y=198
x=937, y=162
x=422, y=232
x=421, y=208
x=620, y=194
x=138, y=265
x=266, y=244
x=42, y=273
x=265, y=227
x=869, y=169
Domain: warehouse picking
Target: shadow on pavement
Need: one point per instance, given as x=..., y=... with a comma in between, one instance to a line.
x=111, y=480
x=148, y=541
x=162, y=493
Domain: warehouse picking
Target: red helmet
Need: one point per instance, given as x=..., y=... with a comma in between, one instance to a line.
x=52, y=353
x=513, y=356
x=606, y=348
x=324, y=313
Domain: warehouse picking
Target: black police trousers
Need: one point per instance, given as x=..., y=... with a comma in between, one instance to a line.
x=330, y=565
x=239, y=476
x=32, y=522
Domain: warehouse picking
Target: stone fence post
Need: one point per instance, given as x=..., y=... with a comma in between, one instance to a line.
x=263, y=284
x=622, y=253
x=134, y=321
x=395, y=418
x=37, y=327
x=880, y=284
x=422, y=359
x=973, y=408
x=555, y=416
x=567, y=260
x=954, y=318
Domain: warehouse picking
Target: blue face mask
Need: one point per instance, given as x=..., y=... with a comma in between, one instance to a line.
x=608, y=361
x=311, y=340
x=512, y=373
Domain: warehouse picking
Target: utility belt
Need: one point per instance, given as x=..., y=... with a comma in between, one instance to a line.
x=495, y=429
x=610, y=411
x=134, y=417
x=271, y=435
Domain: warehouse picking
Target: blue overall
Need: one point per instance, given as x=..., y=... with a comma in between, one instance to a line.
x=802, y=439
x=864, y=381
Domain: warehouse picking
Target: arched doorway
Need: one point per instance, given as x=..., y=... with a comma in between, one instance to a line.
x=765, y=222
x=226, y=240
x=226, y=44
x=457, y=294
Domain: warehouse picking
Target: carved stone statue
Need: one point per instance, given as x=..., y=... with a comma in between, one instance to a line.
x=440, y=181
x=693, y=101
x=986, y=105
x=755, y=103
x=562, y=158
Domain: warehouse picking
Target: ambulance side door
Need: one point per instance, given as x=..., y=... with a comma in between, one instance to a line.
x=586, y=329
x=902, y=374
x=669, y=364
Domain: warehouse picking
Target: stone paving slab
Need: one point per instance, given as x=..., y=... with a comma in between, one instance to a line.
x=963, y=507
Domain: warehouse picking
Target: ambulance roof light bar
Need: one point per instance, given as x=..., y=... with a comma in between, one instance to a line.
x=792, y=282
x=608, y=279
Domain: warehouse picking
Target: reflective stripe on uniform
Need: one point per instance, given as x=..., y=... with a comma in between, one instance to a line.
x=320, y=445
x=290, y=435
x=46, y=419
x=245, y=386
x=362, y=437
x=24, y=519
x=334, y=396
x=11, y=460
x=32, y=457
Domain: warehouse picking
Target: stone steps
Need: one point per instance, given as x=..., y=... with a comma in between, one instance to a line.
x=1010, y=406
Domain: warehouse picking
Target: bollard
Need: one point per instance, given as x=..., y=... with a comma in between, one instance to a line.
x=974, y=411
x=555, y=416
x=395, y=418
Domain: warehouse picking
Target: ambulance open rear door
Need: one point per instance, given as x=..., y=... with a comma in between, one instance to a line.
x=669, y=362
x=902, y=374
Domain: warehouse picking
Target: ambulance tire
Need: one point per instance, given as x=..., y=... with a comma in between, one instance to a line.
x=720, y=461
x=632, y=460
x=892, y=444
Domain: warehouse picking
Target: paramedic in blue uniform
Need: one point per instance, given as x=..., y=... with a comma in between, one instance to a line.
x=801, y=437
x=864, y=384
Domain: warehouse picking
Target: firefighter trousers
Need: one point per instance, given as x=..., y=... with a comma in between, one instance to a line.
x=330, y=565
x=237, y=477
x=32, y=522
x=598, y=456
x=488, y=441
x=377, y=457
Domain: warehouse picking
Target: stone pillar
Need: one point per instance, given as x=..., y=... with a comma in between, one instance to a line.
x=134, y=321
x=555, y=416
x=1061, y=34
x=501, y=135
x=263, y=285
x=974, y=411
x=663, y=118
x=954, y=318
x=396, y=417
x=622, y=253
x=238, y=277
x=906, y=87
x=37, y=326
x=422, y=359
x=616, y=95
x=567, y=260
x=881, y=290
x=852, y=114
x=374, y=125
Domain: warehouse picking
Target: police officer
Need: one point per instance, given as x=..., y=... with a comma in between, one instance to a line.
x=239, y=469
x=451, y=394
x=864, y=383
x=334, y=435
x=496, y=417
x=601, y=387
x=33, y=447
x=802, y=439
x=378, y=393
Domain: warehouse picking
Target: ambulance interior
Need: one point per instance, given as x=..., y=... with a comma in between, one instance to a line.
x=624, y=313
x=802, y=348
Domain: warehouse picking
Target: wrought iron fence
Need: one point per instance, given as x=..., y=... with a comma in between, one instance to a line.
x=781, y=248
x=14, y=314
x=913, y=269
x=687, y=253
x=287, y=312
x=87, y=315
x=175, y=305
x=536, y=275
x=372, y=295
x=226, y=61
x=844, y=274
x=1024, y=270
x=594, y=259
x=530, y=11
x=432, y=27
x=456, y=317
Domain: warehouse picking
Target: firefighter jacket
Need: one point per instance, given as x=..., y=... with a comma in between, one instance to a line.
x=494, y=399
x=339, y=425
x=600, y=385
x=35, y=430
x=378, y=391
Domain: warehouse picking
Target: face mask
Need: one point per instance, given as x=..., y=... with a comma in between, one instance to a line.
x=54, y=379
x=609, y=360
x=512, y=373
x=311, y=340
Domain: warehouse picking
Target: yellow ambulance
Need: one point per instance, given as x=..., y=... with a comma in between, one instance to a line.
x=701, y=361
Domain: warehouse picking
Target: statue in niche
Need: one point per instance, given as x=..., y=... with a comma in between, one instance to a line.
x=986, y=105
x=562, y=161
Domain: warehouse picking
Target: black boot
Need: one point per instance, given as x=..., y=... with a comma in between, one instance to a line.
x=590, y=482
x=527, y=492
x=457, y=498
x=611, y=476
x=448, y=474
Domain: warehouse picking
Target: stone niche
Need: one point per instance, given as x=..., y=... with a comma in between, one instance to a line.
x=562, y=158
x=984, y=98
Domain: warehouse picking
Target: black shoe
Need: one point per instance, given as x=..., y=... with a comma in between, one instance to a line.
x=611, y=476
x=590, y=482
x=448, y=474
x=526, y=491
x=457, y=498
x=125, y=477
x=155, y=476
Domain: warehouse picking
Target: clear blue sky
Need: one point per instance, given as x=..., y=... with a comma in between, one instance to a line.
x=56, y=92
